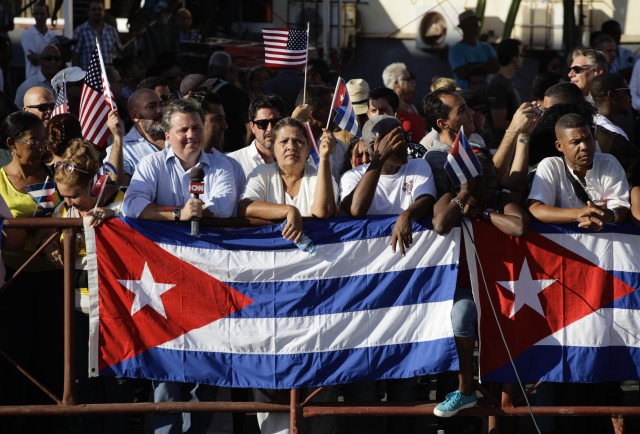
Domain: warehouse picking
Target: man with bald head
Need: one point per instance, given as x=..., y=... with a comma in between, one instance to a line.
x=40, y=102
x=146, y=136
x=50, y=62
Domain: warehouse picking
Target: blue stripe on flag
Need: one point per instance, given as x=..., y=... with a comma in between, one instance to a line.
x=347, y=294
x=292, y=370
x=341, y=229
x=543, y=363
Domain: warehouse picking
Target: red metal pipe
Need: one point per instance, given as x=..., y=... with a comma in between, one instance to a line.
x=331, y=409
x=69, y=243
x=295, y=412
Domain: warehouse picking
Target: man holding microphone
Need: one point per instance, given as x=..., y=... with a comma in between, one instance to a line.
x=160, y=190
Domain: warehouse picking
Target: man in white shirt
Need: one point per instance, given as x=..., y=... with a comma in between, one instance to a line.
x=264, y=111
x=35, y=38
x=146, y=136
x=581, y=186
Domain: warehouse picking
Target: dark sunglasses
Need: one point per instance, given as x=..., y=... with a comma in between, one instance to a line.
x=167, y=97
x=625, y=90
x=263, y=124
x=44, y=107
x=580, y=69
x=51, y=58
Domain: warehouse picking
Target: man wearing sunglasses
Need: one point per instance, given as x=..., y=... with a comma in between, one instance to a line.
x=50, y=63
x=586, y=63
x=40, y=102
x=35, y=38
x=264, y=111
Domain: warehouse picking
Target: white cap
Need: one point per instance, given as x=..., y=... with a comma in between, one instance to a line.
x=71, y=75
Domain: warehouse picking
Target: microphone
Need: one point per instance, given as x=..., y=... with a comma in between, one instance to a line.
x=196, y=188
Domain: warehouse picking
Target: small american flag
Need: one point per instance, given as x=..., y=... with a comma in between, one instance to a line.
x=96, y=102
x=43, y=194
x=62, y=105
x=285, y=47
x=462, y=163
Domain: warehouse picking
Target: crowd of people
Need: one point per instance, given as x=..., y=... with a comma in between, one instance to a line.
x=567, y=155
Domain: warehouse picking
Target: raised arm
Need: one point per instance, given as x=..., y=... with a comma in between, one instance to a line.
x=324, y=200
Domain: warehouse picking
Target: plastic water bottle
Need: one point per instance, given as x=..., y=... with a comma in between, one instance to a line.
x=305, y=244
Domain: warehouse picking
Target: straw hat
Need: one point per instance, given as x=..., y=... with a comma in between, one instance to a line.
x=358, y=90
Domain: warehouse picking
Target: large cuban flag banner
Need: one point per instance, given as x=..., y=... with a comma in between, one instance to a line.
x=566, y=299
x=246, y=308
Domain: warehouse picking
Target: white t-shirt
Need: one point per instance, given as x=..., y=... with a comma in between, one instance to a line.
x=248, y=157
x=265, y=184
x=394, y=193
x=606, y=181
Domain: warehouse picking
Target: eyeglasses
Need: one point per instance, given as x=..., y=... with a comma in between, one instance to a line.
x=411, y=77
x=580, y=69
x=41, y=144
x=625, y=90
x=263, y=124
x=68, y=167
x=166, y=97
x=51, y=58
x=44, y=107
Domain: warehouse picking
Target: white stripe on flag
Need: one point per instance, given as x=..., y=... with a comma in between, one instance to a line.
x=352, y=258
x=456, y=168
x=467, y=161
x=330, y=332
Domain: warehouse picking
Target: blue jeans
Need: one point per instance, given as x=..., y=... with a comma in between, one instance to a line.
x=464, y=316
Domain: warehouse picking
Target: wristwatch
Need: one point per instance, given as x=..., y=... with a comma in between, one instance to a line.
x=176, y=214
x=486, y=214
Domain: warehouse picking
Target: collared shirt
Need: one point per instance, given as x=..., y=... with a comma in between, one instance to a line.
x=160, y=179
x=36, y=80
x=34, y=41
x=86, y=36
x=605, y=181
x=248, y=157
x=625, y=59
x=603, y=122
x=134, y=148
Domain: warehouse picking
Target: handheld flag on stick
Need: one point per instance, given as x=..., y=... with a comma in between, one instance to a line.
x=99, y=181
x=462, y=163
x=96, y=102
x=313, y=148
x=43, y=194
x=285, y=47
x=345, y=116
x=62, y=104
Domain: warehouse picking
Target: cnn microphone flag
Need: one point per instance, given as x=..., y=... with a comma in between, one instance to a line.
x=462, y=163
x=285, y=47
x=62, y=104
x=345, y=116
x=96, y=102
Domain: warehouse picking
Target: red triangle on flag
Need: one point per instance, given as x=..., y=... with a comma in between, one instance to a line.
x=191, y=298
x=573, y=288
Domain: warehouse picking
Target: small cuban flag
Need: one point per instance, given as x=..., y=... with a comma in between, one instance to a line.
x=345, y=116
x=99, y=181
x=43, y=194
x=313, y=148
x=462, y=163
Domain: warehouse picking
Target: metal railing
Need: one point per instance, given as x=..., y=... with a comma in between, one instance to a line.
x=68, y=405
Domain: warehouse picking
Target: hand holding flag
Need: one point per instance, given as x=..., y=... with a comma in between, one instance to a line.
x=345, y=116
x=462, y=163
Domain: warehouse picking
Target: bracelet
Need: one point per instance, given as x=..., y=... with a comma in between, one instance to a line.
x=615, y=216
x=513, y=131
x=460, y=204
x=523, y=140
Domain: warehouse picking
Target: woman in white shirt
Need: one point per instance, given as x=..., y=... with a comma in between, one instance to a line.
x=291, y=189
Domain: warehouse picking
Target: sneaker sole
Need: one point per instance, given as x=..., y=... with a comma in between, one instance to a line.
x=444, y=413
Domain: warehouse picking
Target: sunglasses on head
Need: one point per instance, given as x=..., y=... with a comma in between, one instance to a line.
x=580, y=69
x=263, y=124
x=68, y=167
x=44, y=107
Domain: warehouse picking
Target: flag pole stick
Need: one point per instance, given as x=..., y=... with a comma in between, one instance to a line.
x=333, y=101
x=306, y=63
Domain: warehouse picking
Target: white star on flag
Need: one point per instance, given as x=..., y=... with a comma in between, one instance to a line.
x=341, y=98
x=147, y=292
x=527, y=290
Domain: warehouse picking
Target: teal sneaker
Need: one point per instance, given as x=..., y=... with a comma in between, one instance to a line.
x=453, y=403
